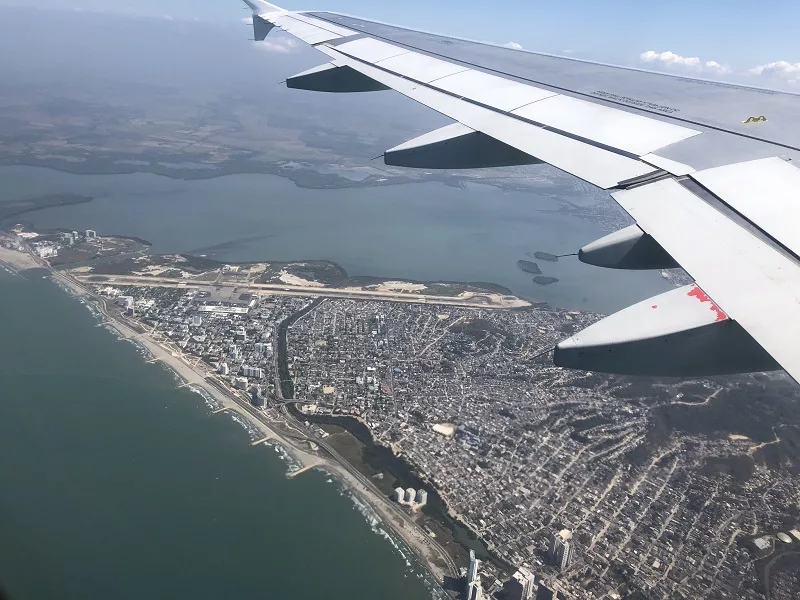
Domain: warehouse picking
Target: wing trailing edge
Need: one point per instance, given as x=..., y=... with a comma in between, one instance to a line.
x=334, y=78
x=679, y=333
x=456, y=146
x=629, y=248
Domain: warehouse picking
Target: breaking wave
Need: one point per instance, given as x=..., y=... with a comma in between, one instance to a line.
x=413, y=568
x=291, y=464
x=248, y=425
x=210, y=401
x=92, y=308
x=143, y=351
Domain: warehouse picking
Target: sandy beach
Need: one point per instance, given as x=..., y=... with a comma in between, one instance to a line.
x=191, y=372
x=18, y=261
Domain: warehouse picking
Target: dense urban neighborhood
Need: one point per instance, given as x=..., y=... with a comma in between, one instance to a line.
x=596, y=485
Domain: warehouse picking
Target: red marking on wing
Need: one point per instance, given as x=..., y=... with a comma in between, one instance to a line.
x=655, y=306
x=696, y=292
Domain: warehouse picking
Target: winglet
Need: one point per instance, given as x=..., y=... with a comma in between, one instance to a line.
x=260, y=7
x=261, y=27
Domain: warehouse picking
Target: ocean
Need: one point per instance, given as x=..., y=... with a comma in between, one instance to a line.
x=117, y=484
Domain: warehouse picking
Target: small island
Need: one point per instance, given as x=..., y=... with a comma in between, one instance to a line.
x=546, y=256
x=545, y=280
x=529, y=267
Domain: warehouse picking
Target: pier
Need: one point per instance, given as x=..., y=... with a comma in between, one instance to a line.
x=261, y=441
x=294, y=474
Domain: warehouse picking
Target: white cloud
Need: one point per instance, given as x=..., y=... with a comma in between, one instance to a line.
x=776, y=73
x=279, y=45
x=513, y=45
x=247, y=20
x=713, y=66
x=692, y=63
x=670, y=59
x=780, y=69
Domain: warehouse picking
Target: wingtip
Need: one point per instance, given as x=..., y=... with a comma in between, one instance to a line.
x=260, y=6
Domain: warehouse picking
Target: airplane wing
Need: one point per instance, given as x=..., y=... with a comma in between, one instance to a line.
x=706, y=169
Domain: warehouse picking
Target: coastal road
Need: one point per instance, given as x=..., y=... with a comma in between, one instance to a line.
x=410, y=532
x=472, y=300
x=411, y=523
x=374, y=496
x=375, y=493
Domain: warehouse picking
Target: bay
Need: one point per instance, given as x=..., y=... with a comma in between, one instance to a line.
x=116, y=484
x=424, y=231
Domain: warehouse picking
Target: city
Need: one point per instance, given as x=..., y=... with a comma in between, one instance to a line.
x=267, y=334
x=564, y=476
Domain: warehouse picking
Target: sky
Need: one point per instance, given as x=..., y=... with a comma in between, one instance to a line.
x=723, y=39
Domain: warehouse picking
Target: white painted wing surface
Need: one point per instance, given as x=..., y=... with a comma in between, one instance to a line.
x=754, y=283
x=599, y=144
x=636, y=132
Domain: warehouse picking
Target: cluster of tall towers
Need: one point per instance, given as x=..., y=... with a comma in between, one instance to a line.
x=523, y=585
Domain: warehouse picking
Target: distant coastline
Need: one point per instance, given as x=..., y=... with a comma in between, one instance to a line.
x=11, y=210
x=307, y=177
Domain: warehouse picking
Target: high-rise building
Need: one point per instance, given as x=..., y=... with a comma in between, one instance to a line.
x=91, y=234
x=474, y=590
x=565, y=556
x=255, y=372
x=223, y=369
x=197, y=320
x=410, y=495
x=125, y=301
x=521, y=586
x=256, y=398
x=560, y=550
x=240, y=383
x=399, y=494
x=422, y=497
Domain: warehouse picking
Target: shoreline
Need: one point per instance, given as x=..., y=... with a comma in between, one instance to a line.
x=324, y=181
x=305, y=459
x=429, y=556
x=314, y=180
x=399, y=467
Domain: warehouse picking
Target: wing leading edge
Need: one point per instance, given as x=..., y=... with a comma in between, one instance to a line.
x=733, y=226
